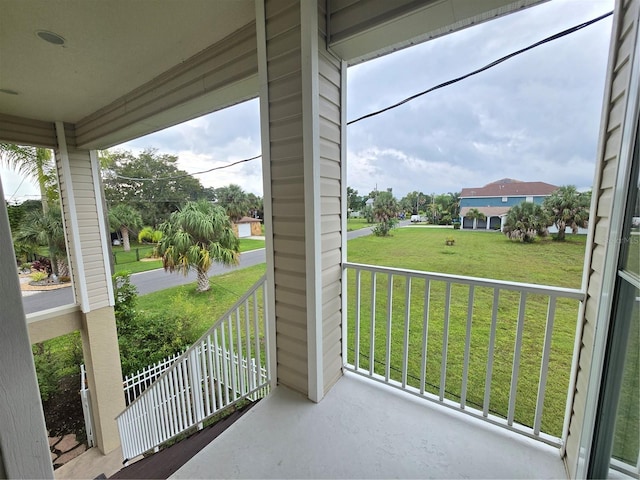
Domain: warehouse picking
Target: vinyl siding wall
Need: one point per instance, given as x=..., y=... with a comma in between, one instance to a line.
x=623, y=38
x=291, y=204
x=89, y=249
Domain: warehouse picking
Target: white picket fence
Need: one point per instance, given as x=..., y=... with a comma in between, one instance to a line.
x=138, y=382
x=211, y=375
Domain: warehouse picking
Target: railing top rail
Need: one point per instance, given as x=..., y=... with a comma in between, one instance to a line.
x=483, y=282
x=195, y=344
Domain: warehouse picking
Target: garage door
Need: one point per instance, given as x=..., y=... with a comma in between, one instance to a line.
x=244, y=230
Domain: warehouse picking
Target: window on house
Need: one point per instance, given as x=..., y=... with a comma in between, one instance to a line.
x=530, y=199
x=504, y=199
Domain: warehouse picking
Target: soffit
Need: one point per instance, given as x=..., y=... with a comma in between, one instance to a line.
x=112, y=47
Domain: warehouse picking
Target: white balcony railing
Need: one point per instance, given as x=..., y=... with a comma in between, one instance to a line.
x=485, y=347
x=229, y=363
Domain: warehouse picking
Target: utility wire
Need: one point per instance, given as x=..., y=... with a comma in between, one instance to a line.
x=486, y=67
x=175, y=177
x=555, y=36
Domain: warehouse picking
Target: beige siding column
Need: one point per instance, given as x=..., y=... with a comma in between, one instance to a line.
x=599, y=274
x=301, y=108
x=24, y=449
x=87, y=238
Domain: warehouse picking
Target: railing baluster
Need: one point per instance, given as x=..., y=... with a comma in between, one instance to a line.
x=407, y=318
x=387, y=358
x=256, y=339
x=212, y=376
x=372, y=339
x=225, y=365
x=232, y=366
x=425, y=336
x=516, y=359
x=247, y=337
x=445, y=340
x=467, y=350
x=492, y=344
x=356, y=326
x=239, y=355
x=219, y=363
x=544, y=365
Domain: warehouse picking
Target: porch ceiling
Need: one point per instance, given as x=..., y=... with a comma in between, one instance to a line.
x=111, y=48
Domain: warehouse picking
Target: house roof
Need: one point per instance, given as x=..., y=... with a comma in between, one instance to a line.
x=488, y=211
x=248, y=220
x=507, y=187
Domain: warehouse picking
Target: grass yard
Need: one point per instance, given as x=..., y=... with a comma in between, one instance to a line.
x=357, y=224
x=204, y=308
x=478, y=254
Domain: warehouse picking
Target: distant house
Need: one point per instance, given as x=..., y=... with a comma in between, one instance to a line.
x=495, y=200
x=247, y=227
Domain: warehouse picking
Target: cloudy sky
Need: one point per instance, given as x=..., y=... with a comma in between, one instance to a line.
x=533, y=118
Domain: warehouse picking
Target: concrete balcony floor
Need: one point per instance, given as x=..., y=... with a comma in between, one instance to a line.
x=363, y=429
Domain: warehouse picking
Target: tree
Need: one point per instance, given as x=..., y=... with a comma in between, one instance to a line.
x=45, y=228
x=196, y=236
x=355, y=202
x=525, y=221
x=149, y=182
x=385, y=210
x=413, y=202
x=475, y=215
x=234, y=200
x=124, y=218
x=33, y=162
x=566, y=207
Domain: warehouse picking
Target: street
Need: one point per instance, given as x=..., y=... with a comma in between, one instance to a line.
x=154, y=280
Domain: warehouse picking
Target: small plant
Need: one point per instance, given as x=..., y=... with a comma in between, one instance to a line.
x=42, y=265
x=450, y=241
x=65, y=279
x=39, y=276
x=456, y=225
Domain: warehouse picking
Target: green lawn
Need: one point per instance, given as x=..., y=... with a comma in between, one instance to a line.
x=357, y=224
x=478, y=254
x=207, y=307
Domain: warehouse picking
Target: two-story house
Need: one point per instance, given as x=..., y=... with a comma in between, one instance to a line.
x=495, y=199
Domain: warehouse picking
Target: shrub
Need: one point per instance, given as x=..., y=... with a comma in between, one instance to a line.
x=383, y=228
x=38, y=276
x=450, y=241
x=525, y=221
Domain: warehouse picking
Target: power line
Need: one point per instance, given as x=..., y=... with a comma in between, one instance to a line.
x=175, y=177
x=486, y=67
x=551, y=38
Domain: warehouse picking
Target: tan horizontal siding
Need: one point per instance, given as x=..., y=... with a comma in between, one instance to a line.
x=26, y=131
x=625, y=30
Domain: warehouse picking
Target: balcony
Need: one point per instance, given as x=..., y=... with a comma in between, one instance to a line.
x=363, y=429
x=444, y=376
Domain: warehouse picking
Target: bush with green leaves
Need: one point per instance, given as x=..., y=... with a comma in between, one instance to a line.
x=525, y=221
x=145, y=338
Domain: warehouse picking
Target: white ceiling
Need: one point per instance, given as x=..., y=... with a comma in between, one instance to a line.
x=111, y=48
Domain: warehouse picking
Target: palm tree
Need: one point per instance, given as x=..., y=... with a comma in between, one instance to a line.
x=526, y=220
x=475, y=215
x=196, y=236
x=567, y=207
x=124, y=217
x=234, y=200
x=32, y=162
x=45, y=228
